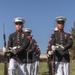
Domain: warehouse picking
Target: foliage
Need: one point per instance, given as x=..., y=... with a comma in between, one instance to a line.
x=73, y=35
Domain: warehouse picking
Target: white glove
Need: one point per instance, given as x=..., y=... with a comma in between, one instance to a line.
x=50, y=52
x=54, y=47
x=12, y=50
x=5, y=49
x=61, y=47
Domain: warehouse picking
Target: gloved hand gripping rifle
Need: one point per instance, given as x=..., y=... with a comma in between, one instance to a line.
x=51, y=60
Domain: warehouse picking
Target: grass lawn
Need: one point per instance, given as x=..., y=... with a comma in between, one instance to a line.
x=43, y=70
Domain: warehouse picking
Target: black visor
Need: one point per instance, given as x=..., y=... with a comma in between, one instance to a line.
x=20, y=23
x=60, y=22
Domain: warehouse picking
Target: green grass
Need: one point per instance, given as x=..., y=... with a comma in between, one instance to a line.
x=72, y=68
x=1, y=68
x=43, y=70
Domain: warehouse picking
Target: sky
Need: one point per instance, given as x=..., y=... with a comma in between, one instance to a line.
x=39, y=15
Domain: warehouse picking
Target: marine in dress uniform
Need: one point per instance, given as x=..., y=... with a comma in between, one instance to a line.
x=17, y=44
x=30, y=51
x=59, y=44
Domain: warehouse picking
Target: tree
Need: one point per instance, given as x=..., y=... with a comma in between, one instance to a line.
x=73, y=35
x=73, y=47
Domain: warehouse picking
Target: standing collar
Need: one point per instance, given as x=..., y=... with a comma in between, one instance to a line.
x=19, y=31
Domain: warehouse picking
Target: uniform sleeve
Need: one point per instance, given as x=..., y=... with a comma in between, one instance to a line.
x=34, y=45
x=38, y=51
x=10, y=41
x=69, y=42
x=51, y=42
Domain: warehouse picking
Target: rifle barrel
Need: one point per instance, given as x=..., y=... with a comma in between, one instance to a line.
x=5, y=54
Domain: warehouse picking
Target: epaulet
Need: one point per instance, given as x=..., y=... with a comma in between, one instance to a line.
x=12, y=33
x=53, y=35
x=69, y=35
x=29, y=37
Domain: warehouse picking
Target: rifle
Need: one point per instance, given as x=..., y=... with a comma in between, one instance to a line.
x=27, y=51
x=5, y=54
x=50, y=65
x=51, y=59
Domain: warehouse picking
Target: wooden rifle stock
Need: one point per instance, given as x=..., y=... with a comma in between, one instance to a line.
x=5, y=55
x=51, y=64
